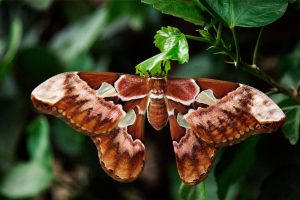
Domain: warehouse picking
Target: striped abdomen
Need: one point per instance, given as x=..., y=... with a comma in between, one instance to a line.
x=157, y=113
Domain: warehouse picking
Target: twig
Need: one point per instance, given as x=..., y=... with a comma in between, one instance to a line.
x=237, y=48
x=257, y=45
x=290, y=107
x=219, y=34
x=256, y=71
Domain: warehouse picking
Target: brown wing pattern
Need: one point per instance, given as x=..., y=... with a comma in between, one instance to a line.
x=122, y=152
x=68, y=97
x=241, y=113
x=73, y=97
x=204, y=114
x=221, y=113
x=194, y=157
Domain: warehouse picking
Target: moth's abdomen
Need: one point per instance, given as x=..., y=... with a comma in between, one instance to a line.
x=157, y=113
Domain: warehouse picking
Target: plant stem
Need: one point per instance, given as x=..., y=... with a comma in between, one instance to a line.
x=255, y=71
x=237, y=49
x=200, y=39
x=290, y=107
x=13, y=45
x=262, y=75
x=219, y=34
x=257, y=45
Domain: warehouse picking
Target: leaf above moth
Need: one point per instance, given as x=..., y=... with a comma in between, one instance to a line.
x=203, y=114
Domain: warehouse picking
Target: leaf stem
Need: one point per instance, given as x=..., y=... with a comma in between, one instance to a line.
x=290, y=107
x=219, y=34
x=266, y=78
x=237, y=49
x=255, y=71
x=257, y=45
x=192, y=37
x=13, y=45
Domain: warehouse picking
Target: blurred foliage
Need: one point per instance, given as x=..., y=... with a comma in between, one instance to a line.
x=43, y=158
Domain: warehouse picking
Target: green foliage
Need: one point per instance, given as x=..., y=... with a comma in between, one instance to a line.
x=79, y=37
x=172, y=40
x=173, y=46
x=67, y=139
x=39, y=4
x=38, y=141
x=187, y=10
x=27, y=179
x=292, y=124
x=12, y=46
x=233, y=165
x=41, y=38
x=254, y=13
x=192, y=193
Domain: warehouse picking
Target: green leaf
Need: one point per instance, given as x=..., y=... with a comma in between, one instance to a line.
x=169, y=38
x=188, y=10
x=290, y=79
x=234, y=164
x=291, y=126
x=173, y=45
x=82, y=62
x=12, y=119
x=133, y=13
x=39, y=4
x=25, y=180
x=254, y=13
x=29, y=179
x=38, y=141
x=211, y=186
x=196, y=192
x=152, y=65
x=80, y=36
x=66, y=139
x=15, y=37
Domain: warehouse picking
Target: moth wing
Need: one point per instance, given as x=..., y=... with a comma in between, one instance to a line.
x=122, y=152
x=86, y=102
x=233, y=115
x=70, y=98
x=205, y=114
x=194, y=157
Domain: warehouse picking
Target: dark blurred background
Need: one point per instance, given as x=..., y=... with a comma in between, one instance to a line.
x=42, y=158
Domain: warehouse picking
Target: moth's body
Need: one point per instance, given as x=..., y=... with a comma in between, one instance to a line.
x=157, y=111
x=203, y=114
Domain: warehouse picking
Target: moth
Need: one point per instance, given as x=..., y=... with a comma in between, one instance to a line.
x=203, y=115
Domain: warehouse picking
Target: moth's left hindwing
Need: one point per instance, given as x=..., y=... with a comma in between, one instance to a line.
x=91, y=103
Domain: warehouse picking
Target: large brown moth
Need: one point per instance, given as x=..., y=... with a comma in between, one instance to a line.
x=203, y=114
